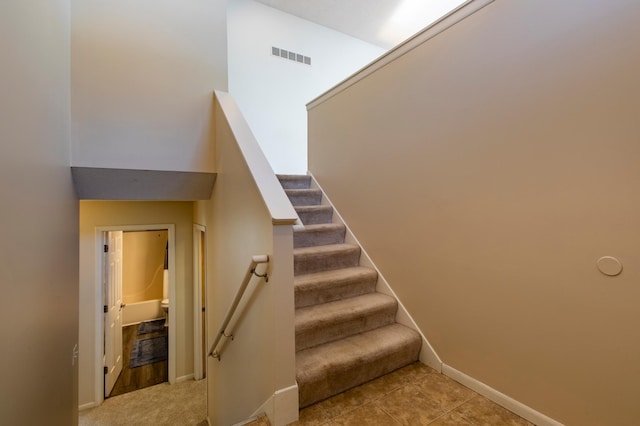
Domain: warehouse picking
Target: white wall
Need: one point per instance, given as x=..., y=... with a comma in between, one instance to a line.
x=38, y=218
x=488, y=170
x=272, y=92
x=112, y=213
x=143, y=74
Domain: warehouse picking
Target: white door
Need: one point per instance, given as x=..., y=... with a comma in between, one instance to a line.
x=113, y=311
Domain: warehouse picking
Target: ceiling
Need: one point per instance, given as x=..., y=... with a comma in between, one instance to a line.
x=385, y=23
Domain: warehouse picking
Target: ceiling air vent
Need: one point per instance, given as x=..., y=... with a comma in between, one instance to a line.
x=292, y=56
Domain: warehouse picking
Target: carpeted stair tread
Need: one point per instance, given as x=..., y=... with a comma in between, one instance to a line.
x=312, y=215
x=304, y=197
x=332, y=368
x=317, y=235
x=295, y=181
x=346, y=333
x=327, y=286
x=319, y=324
x=307, y=260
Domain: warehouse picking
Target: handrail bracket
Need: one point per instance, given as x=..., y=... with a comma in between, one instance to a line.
x=255, y=261
x=265, y=275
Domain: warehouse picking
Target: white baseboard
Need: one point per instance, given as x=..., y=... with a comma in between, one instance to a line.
x=87, y=406
x=499, y=398
x=242, y=423
x=185, y=378
x=266, y=408
x=281, y=408
x=286, y=404
x=428, y=356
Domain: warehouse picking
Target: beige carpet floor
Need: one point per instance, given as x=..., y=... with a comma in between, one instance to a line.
x=180, y=404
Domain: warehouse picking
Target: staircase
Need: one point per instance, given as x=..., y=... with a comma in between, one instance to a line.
x=346, y=332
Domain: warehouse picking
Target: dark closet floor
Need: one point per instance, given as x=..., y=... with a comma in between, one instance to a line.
x=132, y=379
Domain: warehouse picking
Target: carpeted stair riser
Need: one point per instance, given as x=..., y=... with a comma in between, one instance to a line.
x=319, y=324
x=304, y=197
x=327, y=286
x=314, y=215
x=295, y=181
x=335, y=367
x=308, y=260
x=318, y=235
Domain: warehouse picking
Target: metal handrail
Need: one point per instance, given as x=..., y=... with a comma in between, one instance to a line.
x=251, y=271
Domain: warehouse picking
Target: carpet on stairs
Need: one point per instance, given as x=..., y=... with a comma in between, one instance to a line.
x=346, y=332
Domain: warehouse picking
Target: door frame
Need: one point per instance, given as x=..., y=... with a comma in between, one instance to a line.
x=99, y=319
x=199, y=273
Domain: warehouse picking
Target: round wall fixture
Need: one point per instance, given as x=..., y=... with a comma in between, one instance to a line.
x=609, y=266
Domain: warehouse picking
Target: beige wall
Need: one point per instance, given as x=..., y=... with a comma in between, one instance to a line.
x=239, y=228
x=112, y=213
x=143, y=74
x=143, y=265
x=485, y=172
x=38, y=218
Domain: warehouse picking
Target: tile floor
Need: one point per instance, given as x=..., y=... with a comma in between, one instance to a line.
x=414, y=395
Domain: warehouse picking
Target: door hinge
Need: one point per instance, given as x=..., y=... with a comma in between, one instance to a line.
x=106, y=369
x=106, y=248
x=106, y=309
x=203, y=309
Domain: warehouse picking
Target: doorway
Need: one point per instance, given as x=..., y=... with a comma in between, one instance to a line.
x=144, y=292
x=106, y=341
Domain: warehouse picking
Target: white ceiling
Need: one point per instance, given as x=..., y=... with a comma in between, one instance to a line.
x=358, y=18
x=374, y=21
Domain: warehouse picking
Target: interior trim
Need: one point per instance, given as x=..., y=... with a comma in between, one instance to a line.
x=499, y=398
x=447, y=21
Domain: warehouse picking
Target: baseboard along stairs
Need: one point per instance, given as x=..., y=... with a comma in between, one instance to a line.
x=346, y=333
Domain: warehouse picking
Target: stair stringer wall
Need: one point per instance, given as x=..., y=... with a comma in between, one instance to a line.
x=249, y=214
x=428, y=354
